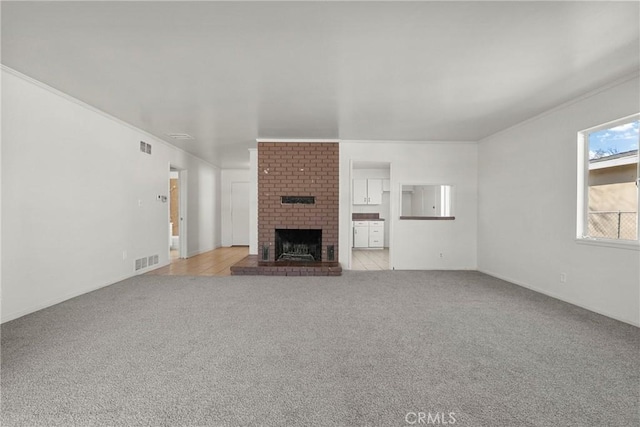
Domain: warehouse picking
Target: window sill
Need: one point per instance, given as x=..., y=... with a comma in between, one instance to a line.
x=633, y=245
x=430, y=218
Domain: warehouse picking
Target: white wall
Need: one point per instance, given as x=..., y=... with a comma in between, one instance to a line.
x=418, y=244
x=1, y=174
x=253, y=201
x=78, y=193
x=229, y=176
x=527, y=209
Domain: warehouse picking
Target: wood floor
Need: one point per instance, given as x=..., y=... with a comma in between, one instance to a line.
x=213, y=263
x=219, y=261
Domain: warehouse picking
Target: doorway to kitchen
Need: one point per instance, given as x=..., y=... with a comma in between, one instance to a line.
x=370, y=215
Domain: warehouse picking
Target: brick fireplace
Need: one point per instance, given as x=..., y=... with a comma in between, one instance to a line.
x=297, y=200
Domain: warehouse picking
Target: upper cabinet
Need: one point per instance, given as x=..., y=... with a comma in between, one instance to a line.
x=367, y=191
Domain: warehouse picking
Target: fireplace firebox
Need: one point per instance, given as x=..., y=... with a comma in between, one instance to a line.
x=298, y=245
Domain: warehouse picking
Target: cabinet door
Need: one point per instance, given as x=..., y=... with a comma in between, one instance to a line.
x=374, y=191
x=360, y=237
x=359, y=192
x=376, y=237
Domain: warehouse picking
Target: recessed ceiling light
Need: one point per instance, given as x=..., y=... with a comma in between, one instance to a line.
x=181, y=136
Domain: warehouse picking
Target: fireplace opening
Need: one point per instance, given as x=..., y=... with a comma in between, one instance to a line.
x=298, y=245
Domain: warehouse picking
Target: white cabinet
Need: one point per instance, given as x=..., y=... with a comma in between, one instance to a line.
x=361, y=234
x=376, y=234
x=374, y=190
x=368, y=234
x=367, y=191
x=359, y=193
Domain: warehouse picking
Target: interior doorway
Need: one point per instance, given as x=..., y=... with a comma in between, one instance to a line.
x=177, y=213
x=370, y=215
x=240, y=213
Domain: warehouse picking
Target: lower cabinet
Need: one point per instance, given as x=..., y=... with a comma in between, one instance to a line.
x=368, y=234
x=360, y=236
x=376, y=235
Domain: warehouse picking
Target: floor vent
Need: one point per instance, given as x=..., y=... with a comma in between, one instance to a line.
x=146, y=261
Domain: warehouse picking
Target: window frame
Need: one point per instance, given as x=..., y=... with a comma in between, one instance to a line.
x=582, y=222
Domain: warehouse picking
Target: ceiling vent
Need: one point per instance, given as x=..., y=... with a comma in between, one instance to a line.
x=180, y=136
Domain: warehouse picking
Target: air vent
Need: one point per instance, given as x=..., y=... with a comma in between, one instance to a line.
x=142, y=263
x=180, y=136
x=145, y=148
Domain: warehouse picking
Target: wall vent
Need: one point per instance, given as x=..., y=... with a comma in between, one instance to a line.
x=145, y=148
x=142, y=263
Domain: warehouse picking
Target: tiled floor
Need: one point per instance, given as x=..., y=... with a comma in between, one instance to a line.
x=370, y=259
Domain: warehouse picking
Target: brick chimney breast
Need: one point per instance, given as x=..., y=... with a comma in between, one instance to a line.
x=306, y=175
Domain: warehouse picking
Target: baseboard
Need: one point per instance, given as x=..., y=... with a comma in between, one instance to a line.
x=65, y=297
x=155, y=267
x=558, y=297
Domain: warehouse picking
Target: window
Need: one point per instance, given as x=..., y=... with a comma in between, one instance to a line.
x=608, y=182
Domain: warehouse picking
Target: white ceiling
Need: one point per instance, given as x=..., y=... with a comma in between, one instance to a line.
x=230, y=72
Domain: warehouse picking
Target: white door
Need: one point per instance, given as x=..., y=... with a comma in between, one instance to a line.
x=240, y=213
x=359, y=192
x=361, y=237
x=374, y=191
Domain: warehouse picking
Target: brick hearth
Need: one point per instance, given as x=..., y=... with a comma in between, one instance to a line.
x=307, y=172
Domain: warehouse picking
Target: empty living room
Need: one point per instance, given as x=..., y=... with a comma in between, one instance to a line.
x=319, y=213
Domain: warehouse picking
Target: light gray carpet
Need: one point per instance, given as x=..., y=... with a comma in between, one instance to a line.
x=364, y=349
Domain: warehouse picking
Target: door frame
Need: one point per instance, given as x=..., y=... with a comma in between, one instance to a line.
x=182, y=206
x=182, y=210
x=392, y=211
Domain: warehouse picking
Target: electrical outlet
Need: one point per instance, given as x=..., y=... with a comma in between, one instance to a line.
x=124, y=255
x=563, y=277
x=441, y=255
